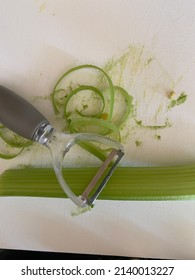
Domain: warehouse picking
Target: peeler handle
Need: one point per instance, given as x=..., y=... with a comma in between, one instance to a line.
x=19, y=115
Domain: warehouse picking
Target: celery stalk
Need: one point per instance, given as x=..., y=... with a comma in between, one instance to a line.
x=127, y=183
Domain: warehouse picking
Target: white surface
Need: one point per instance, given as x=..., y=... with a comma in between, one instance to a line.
x=41, y=39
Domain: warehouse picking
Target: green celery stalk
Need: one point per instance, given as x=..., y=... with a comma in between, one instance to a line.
x=126, y=183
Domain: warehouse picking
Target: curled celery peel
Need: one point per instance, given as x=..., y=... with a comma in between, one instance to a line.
x=10, y=156
x=85, y=66
x=12, y=144
x=102, y=122
x=13, y=139
x=103, y=119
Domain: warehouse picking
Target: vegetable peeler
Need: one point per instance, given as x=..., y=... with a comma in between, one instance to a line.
x=23, y=118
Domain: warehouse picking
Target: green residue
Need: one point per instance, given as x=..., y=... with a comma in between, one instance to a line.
x=141, y=74
x=157, y=127
x=148, y=61
x=138, y=143
x=180, y=100
x=80, y=210
x=153, y=127
x=85, y=106
x=127, y=63
x=40, y=98
x=157, y=137
x=138, y=122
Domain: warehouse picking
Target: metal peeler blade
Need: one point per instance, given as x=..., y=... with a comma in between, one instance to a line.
x=98, y=185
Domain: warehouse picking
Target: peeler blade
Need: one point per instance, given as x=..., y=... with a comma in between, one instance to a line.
x=104, y=171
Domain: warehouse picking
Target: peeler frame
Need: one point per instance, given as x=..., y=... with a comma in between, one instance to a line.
x=23, y=118
x=45, y=136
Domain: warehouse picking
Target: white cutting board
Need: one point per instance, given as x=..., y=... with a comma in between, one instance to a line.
x=41, y=39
